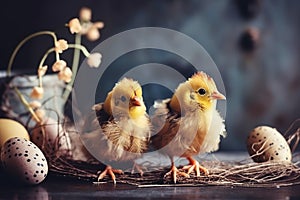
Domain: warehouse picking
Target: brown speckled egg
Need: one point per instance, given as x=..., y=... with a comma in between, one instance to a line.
x=24, y=161
x=51, y=138
x=265, y=143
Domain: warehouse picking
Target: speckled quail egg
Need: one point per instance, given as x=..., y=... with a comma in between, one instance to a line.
x=51, y=138
x=265, y=143
x=24, y=161
x=10, y=128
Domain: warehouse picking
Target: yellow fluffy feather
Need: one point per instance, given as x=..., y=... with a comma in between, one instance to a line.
x=121, y=130
x=188, y=123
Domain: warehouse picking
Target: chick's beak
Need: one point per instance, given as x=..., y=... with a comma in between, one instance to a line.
x=217, y=95
x=135, y=101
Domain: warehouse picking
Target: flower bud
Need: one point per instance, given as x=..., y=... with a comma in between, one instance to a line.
x=85, y=14
x=37, y=93
x=93, y=34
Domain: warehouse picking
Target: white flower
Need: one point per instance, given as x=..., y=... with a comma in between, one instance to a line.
x=59, y=65
x=94, y=60
x=65, y=75
x=61, y=45
x=91, y=30
x=74, y=25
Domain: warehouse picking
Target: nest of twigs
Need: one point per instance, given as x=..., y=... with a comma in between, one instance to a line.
x=244, y=173
x=268, y=174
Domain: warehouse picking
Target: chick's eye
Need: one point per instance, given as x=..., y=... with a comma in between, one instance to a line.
x=202, y=91
x=123, y=98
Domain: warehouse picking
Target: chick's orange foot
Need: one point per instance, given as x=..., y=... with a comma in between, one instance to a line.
x=174, y=172
x=196, y=167
x=111, y=172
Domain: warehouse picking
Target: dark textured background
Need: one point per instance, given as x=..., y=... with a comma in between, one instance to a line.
x=262, y=86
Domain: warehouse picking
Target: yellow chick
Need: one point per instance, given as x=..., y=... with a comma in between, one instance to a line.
x=188, y=123
x=124, y=129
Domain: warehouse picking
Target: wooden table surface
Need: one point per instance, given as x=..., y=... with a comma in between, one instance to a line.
x=52, y=189
x=55, y=187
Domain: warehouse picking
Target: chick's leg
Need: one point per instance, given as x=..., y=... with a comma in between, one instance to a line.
x=195, y=166
x=138, y=168
x=174, y=172
x=110, y=171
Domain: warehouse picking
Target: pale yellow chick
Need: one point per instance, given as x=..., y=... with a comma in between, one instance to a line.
x=188, y=123
x=124, y=129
